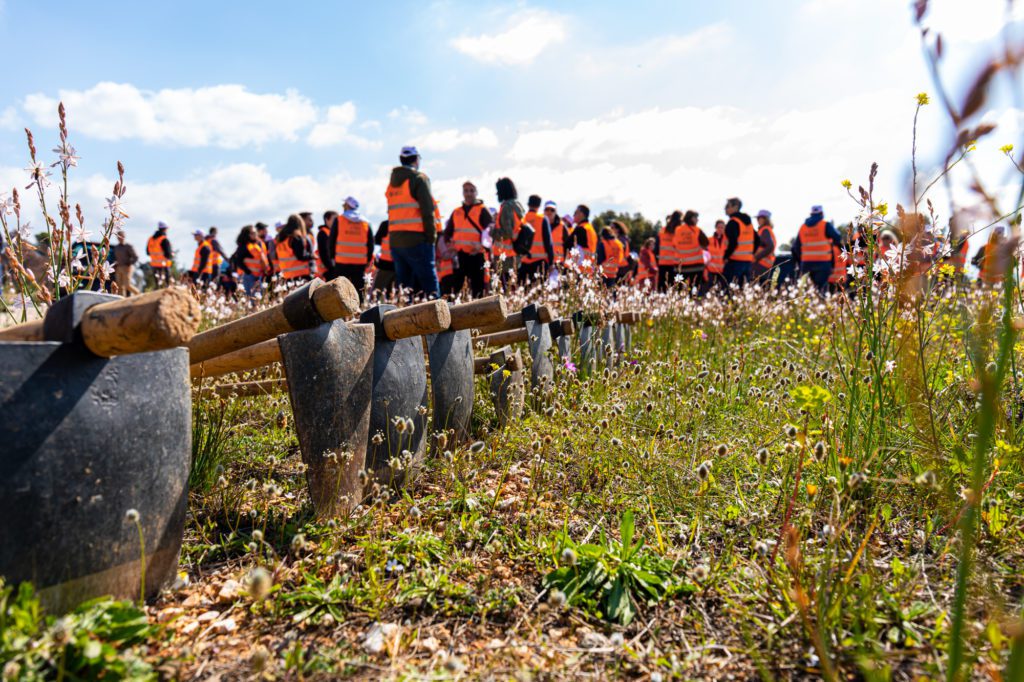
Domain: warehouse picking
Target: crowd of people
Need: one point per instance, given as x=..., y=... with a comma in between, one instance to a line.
x=478, y=249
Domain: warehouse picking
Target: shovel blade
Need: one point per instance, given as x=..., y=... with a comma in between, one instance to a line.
x=542, y=372
x=399, y=391
x=451, y=381
x=330, y=380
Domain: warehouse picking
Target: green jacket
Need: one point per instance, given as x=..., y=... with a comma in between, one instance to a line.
x=419, y=187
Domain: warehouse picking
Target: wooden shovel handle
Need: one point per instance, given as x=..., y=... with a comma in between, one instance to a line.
x=332, y=300
x=250, y=357
x=545, y=314
x=503, y=338
x=157, y=320
x=420, y=319
x=482, y=312
x=629, y=317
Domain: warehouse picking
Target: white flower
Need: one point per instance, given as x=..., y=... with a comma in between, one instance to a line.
x=6, y=205
x=80, y=234
x=107, y=269
x=890, y=365
x=77, y=263
x=64, y=280
x=67, y=155
x=39, y=174
x=24, y=232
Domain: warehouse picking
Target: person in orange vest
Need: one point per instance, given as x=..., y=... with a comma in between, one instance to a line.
x=741, y=243
x=764, y=257
x=219, y=256
x=307, y=223
x=991, y=259
x=384, y=275
x=464, y=231
x=412, y=227
x=647, y=266
x=690, y=242
x=536, y=264
x=292, y=249
x=161, y=258
x=665, y=248
x=324, y=259
x=201, y=271
x=511, y=238
x=812, y=248
x=559, y=231
x=958, y=251
x=837, y=281
x=622, y=234
x=250, y=258
x=447, y=259
x=350, y=246
x=263, y=233
x=714, y=268
x=611, y=255
x=582, y=241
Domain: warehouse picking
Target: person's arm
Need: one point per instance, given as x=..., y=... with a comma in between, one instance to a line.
x=133, y=257
x=657, y=246
x=765, y=249
x=204, y=256
x=549, y=246
x=486, y=219
x=382, y=231
x=369, y=244
x=832, y=233
x=449, y=226
x=298, y=244
x=166, y=244
x=797, y=249
x=323, y=247
x=332, y=239
x=420, y=190
x=219, y=249
x=600, y=251
x=978, y=257
x=702, y=239
x=732, y=236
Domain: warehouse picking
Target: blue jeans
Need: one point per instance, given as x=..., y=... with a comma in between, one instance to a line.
x=737, y=271
x=819, y=274
x=414, y=269
x=251, y=284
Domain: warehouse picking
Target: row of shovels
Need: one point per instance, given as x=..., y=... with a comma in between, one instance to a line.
x=96, y=409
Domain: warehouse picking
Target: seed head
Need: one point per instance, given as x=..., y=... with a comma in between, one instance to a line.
x=791, y=431
x=557, y=599
x=722, y=449
x=132, y=516
x=568, y=557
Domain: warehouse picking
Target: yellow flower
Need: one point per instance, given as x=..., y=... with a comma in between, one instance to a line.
x=847, y=184
x=922, y=99
x=812, y=490
x=971, y=146
x=1006, y=149
x=883, y=209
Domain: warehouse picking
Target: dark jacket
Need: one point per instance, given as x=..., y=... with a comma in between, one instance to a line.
x=419, y=187
x=732, y=233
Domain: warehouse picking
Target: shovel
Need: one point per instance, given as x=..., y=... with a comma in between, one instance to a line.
x=95, y=420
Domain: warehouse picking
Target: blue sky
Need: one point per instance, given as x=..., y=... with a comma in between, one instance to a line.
x=227, y=113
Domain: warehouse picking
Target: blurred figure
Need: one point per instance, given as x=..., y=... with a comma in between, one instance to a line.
x=201, y=272
x=690, y=243
x=992, y=259
x=764, y=257
x=464, y=231
x=384, y=278
x=324, y=261
x=741, y=243
x=218, y=255
x=647, y=267
x=447, y=259
x=611, y=256
x=620, y=232
x=509, y=237
x=583, y=239
x=958, y=251
x=412, y=225
x=351, y=246
x=125, y=258
x=715, y=267
x=307, y=223
x=837, y=281
x=250, y=258
x=268, y=246
x=813, y=248
x=559, y=231
x=158, y=248
x=665, y=248
x=541, y=257
x=291, y=248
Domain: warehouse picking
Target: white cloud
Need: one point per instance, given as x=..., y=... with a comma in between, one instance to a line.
x=8, y=117
x=412, y=117
x=226, y=116
x=448, y=140
x=975, y=21
x=530, y=33
x=645, y=133
x=334, y=129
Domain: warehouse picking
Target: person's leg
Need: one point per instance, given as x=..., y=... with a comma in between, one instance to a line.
x=426, y=271
x=404, y=274
x=472, y=267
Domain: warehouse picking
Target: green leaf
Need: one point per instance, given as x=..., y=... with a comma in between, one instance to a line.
x=626, y=528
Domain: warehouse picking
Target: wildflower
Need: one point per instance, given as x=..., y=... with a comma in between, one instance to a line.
x=926, y=478
x=616, y=639
x=856, y=479
x=762, y=456
x=1006, y=149
x=298, y=542
x=393, y=566
x=557, y=599
x=258, y=582
x=415, y=512
x=704, y=470
x=132, y=516
x=819, y=450
x=762, y=549
x=400, y=424
x=107, y=269
x=257, y=535
x=722, y=449
x=791, y=431
x=568, y=557
x=827, y=532
x=922, y=99
x=812, y=490
x=616, y=443
x=889, y=366
x=847, y=184
x=378, y=438
x=476, y=447
x=701, y=572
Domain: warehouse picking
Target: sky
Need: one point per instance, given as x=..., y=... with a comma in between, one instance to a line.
x=228, y=113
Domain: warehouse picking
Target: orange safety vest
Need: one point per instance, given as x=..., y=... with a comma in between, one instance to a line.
x=155, y=248
x=959, y=258
x=215, y=256
x=744, y=251
x=256, y=259
x=289, y=266
x=590, y=251
x=668, y=254
x=839, y=260
x=614, y=258
x=558, y=242
x=466, y=235
x=385, y=249
x=504, y=246
x=989, y=273
x=350, y=245
x=208, y=268
x=815, y=247
x=769, y=260
x=321, y=266
x=687, y=246
x=716, y=247
x=445, y=268
x=643, y=271
x=537, y=250
x=404, y=213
